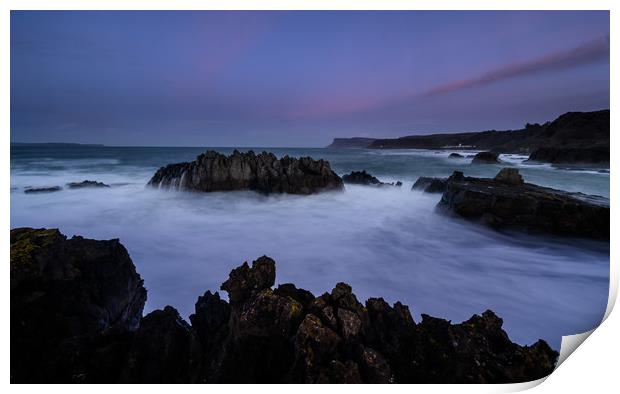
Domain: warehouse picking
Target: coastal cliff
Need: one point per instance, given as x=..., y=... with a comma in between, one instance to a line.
x=348, y=143
x=574, y=137
x=76, y=317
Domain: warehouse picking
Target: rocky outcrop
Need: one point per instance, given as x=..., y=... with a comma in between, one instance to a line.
x=486, y=158
x=430, y=185
x=507, y=202
x=264, y=173
x=86, y=183
x=456, y=156
x=509, y=176
x=70, y=298
x=50, y=189
x=364, y=178
x=76, y=304
x=159, y=351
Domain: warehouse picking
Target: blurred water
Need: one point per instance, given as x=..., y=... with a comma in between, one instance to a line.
x=384, y=242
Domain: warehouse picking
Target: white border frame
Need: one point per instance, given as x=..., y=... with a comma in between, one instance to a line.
x=592, y=368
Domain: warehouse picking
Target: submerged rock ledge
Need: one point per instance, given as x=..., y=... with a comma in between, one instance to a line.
x=366, y=179
x=264, y=173
x=76, y=316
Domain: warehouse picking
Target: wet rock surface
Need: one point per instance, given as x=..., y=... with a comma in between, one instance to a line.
x=264, y=173
x=507, y=202
x=486, y=158
x=430, y=185
x=364, y=178
x=86, y=183
x=76, y=308
x=456, y=156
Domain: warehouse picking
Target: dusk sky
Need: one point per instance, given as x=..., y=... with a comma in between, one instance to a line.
x=208, y=78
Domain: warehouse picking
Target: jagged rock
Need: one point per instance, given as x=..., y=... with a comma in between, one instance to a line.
x=430, y=185
x=210, y=329
x=262, y=335
x=361, y=178
x=64, y=293
x=364, y=178
x=478, y=349
x=509, y=176
x=50, y=189
x=304, y=297
x=374, y=368
x=245, y=281
x=486, y=158
x=456, y=156
x=264, y=173
x=86, y=183
x=393, y=330
x=315, y=346
x=506, y=202
x=321, y=307
x=160, y=349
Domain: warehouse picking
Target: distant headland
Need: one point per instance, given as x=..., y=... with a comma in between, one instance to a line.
x=574, y=137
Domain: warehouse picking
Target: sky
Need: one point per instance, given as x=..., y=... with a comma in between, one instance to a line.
x=297, y=79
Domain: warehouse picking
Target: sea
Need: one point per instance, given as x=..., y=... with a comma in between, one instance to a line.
x=384, y=242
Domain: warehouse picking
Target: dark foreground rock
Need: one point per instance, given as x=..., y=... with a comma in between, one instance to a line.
x=430, y=185
x=507, y=202
x=72, y=300
x=264, y=173
x=50, y=189
x=364, y=178
x=485, y=158
x=86, y=183
x=456, y=156
x=76, y=304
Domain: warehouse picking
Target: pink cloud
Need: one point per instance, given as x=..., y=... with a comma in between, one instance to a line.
x=587, y=53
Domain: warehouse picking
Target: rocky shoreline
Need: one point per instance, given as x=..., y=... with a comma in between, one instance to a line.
x=572, y=138
x=76, y=316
